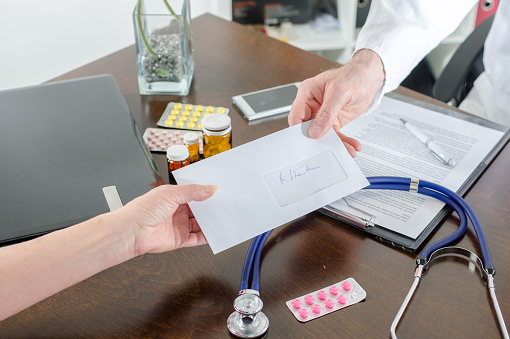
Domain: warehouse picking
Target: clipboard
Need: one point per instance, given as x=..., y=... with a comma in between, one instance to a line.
x=368, y=222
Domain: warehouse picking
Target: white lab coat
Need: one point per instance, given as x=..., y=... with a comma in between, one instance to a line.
x=403, y=32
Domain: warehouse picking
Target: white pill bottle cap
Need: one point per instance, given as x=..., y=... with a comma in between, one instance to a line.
x=177, y=153
x=216, y=124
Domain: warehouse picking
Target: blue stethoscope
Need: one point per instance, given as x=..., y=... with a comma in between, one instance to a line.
x=249, y=322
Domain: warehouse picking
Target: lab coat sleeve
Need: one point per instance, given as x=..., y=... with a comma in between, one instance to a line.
x=403, y=32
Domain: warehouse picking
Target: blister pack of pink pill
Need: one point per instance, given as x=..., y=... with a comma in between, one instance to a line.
x=327, y=300
x=158, y=139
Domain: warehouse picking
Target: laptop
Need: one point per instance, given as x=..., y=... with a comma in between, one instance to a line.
x=61, y=143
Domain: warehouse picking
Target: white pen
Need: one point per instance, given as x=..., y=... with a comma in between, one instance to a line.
x=434, y=148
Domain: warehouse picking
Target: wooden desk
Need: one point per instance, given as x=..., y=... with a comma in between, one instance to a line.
x=189, y=292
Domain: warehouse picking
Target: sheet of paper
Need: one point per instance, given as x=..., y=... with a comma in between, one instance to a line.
x=389, y=149
x=268, y=182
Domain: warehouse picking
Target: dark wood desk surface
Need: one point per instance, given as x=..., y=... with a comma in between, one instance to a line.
x=189, y=292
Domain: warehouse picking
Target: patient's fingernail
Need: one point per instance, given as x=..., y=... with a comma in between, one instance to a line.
x=211, y=188
x=314, y=130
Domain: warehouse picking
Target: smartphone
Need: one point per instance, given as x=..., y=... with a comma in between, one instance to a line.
x=266, y=102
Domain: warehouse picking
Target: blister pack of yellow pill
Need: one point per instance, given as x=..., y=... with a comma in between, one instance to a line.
x=187, y=116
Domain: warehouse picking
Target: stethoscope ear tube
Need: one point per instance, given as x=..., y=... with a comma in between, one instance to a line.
x=439, y=249
x=448, y=252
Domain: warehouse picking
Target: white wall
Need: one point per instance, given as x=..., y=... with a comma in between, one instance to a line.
x=42, y=39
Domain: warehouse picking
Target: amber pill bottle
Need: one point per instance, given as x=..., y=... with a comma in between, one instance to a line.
x=191, y=142
x=217, y=132
x=177, y=157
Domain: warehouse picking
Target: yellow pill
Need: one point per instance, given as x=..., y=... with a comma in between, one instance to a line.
x=191, y=125
x=206, y=114
x=179, y=124
x=196, y=114
x=221, y=110
x=199, y=126
x=172, y=117
x=169, y=123
x=188, y=107
x=185, y=113
x=200, y=108
x=193, y=119
x=183, y=118
x=178, y=105
x=175, y=112
x=210, y=109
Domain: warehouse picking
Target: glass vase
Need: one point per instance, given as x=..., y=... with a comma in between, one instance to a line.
x=164, y=46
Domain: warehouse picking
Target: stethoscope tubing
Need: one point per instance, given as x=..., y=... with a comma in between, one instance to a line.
x=251, y=268
x=426, y=188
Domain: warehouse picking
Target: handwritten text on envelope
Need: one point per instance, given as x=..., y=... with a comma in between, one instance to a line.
x=304, y=178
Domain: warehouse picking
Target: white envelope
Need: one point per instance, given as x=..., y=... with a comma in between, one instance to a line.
x=268, y=182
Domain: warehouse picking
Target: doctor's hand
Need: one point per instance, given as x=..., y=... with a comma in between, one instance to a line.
x=161, y=219
x=338, y=96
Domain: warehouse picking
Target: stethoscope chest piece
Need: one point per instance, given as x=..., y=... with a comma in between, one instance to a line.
x=248, y=321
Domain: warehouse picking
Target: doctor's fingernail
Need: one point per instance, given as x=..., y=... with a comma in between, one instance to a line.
x=211, y=188
x=314, y=130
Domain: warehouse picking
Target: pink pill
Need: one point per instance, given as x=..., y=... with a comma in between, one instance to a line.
x=309, y=299
x=316, y=309
x=334, y=290
x=346, y=286
x=303, y=313
x=151, y=146
x=329, y=303
x=181, y=137
x=174, y=139
x=166, y=142
x=342, y=299
x=149, y=137
x=322, y=295
x=296, y=303
x=163, y=147
x=164, y=132
x=156, y=135
x=153, y=131
x=162, y=138
x=158, y=144
x=178, y=143
x=199, y=134
x=176, y=133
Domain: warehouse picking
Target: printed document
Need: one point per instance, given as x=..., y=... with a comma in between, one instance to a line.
x=389, y=149
x=268, y=182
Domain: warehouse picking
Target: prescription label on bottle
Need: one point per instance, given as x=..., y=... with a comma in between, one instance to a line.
x=158, y=139
x=326, y=300
x=187, y=116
